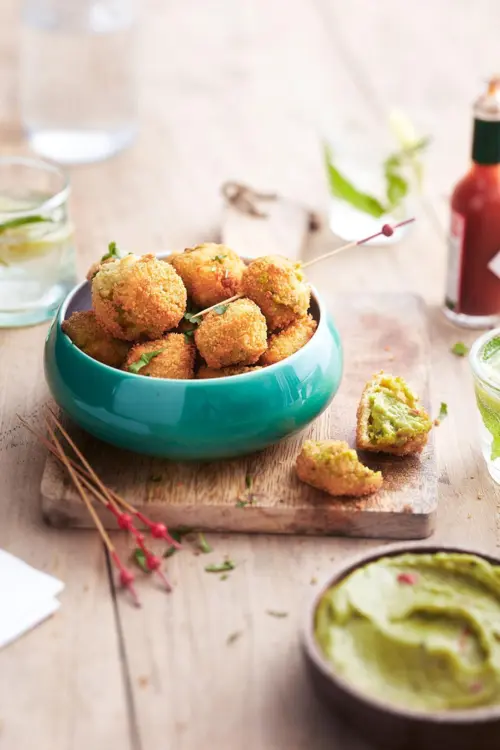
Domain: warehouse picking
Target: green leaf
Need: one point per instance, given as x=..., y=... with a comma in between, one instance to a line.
x=341, y=188
x=219, y=258
x=275, y=613
x=241, y=503
x=459, y=349
x=188, y=335
x=220, y=567
x=220, y=309
x=21, y=221
x=203, y=544
x=443, y=411
x=491, y=348
x=143, y=360
x=113, y=252
x=397, y=189
x=140, y=560
x=189, y=316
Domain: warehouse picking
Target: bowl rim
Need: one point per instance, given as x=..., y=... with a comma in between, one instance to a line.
x=194, y=382
x=481, y=714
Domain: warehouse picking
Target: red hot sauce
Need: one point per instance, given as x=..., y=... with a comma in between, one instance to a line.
x=473, y=281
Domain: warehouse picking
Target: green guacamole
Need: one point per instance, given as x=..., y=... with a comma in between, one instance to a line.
x=417, y=630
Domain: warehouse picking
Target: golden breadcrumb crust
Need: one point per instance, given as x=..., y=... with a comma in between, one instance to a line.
x=136, y=297
x=278, y=287
x=211, y=273
x=237, y=336
x=86, y=333
x=331, y=466
x=412, y=444
x=288, y=341
x=175, y=361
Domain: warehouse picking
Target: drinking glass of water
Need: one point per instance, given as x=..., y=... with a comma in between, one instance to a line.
x=37, y=253
x=78, y=87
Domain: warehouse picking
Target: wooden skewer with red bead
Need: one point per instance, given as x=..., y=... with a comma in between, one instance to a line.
x=159, y=531
x=387, y=231
x=126, y=576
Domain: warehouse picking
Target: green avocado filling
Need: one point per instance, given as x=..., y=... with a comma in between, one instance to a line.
x=418, y=630
x=394, y=414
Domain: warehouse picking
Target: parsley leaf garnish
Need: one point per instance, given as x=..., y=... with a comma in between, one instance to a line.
x=113, y=252
x=140, y=560
x=143, y=360
x=459, y=349
x=220, y=567
x=220, y=309
x=276, y=613
x=443, y=411
x=219, y=258
x=203, y=544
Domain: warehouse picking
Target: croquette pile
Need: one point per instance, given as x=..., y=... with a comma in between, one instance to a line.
x=142, y=313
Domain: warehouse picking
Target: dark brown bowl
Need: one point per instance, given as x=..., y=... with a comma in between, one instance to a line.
x=384, y=725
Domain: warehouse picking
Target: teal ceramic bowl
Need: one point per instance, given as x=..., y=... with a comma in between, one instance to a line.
x=193, y=419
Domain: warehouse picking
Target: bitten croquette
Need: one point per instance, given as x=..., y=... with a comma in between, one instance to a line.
x=279, y=288
x=138, y=297
x=210, y=272
x=233, y=334
x=170, y=357
x=205, y=373
x=390, y=417
x=288, y=341
x=86, y=333
x=331, y=466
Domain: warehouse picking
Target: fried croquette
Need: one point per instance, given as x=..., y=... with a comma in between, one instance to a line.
x=210, y=272
x=86, y=333
x=279, y=288
x=390, y=418
x=288, y=341
x=138, y=296
x=169, y=357
x=332, y=466
x=204, y=373
x=233, y=334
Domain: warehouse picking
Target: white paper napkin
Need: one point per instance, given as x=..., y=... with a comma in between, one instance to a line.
x=27, y=597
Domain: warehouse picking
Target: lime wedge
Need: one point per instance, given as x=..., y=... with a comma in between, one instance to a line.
x=26, y=242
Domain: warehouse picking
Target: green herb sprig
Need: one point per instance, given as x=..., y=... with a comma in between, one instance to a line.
x=459, y=349
x=220, y=567
x=397, y=183
x=143, y=361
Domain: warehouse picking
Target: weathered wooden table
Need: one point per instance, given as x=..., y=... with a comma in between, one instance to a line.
x=234, y=91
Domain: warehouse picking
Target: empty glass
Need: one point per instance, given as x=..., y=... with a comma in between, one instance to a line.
x=78, y=83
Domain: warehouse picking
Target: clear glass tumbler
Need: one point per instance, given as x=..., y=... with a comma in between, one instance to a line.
x=484, y=359
x=37, y=253
x=78, y=87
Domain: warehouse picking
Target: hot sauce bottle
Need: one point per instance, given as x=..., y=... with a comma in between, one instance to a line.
x=473, y=281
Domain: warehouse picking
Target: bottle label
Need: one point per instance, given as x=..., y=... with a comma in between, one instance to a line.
x=455, y=250
x=494, y=265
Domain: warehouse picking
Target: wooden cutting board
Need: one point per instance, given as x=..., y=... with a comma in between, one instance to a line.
x=379, y=332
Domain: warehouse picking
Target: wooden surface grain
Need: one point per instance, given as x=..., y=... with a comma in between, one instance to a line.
x=379, y=332
x=239, y=91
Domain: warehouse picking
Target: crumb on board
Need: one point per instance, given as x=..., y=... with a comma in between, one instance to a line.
x=143, y=681
x=469, y=516
x=314, y=581
x=232, y=637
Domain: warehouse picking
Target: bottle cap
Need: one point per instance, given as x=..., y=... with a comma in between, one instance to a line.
x=486, y=141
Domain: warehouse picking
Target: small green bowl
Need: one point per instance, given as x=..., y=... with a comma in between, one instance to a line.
x=193, y=419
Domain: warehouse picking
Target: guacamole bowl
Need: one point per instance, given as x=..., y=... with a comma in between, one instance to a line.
x=193, y=419
x=396, y=644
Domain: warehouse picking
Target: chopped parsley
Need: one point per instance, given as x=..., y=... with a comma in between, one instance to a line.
x=203, y=544
x=443, y=411
x=220, y=309
x=276, y=613
x=219, y=258
x=220, y=567
x=459, y=349
x=143, y=361
x=113, y=252
x=140, y=559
